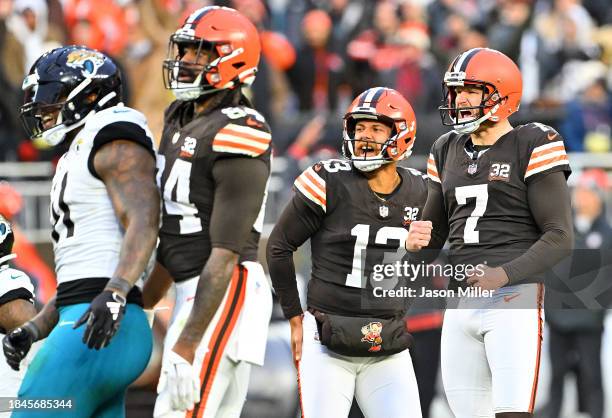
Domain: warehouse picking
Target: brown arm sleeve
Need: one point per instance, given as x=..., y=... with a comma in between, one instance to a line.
x=549, y=200
x=297, y=223
x=240, y=184
x=434, y=211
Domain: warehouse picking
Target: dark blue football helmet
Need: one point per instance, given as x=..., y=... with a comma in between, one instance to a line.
x=64, y=87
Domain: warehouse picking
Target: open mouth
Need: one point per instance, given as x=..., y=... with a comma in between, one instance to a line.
x=366, y=149
x=48, y=120
x=464, y=114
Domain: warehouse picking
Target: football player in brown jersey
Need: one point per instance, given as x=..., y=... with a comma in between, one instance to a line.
x=498, y=193
x=213, y=171
x=351, y=342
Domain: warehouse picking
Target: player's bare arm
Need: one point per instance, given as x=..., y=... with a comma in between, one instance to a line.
x=15, y=313
x=297, y=336
x=156, y=286
x=128, y=171
x=18, y=342
x=239, y=190
x=211, y=287
x=46, y=319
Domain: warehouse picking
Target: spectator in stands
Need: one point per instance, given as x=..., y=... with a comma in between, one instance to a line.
x=575, y=334
x=447, y=38
x=277, y=56
x=566, y=31
x=506, y=30
x=12, y=59
x=99, y=25
x=317, y=73
x=29, y=23
x=375, y=49
x=588, y=124
x=348, y=19
x=416, y=75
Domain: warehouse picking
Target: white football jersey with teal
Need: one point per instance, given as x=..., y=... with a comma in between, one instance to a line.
x=12, y=280
x=87, y=235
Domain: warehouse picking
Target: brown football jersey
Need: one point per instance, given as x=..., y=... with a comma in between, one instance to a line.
x=188, y=151
x=485, y=192
x=358, y=229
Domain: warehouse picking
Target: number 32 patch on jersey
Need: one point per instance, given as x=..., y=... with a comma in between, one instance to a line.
x=499, y=172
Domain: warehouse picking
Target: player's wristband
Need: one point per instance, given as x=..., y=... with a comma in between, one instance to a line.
x=117, y=283
x=32, y=329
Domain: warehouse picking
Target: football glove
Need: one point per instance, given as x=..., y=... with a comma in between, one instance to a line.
x=181, y=380
x=103, y=318
x=16, y=344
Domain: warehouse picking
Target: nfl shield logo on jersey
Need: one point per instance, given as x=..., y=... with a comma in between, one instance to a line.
x=383, y=211
x=472, y=168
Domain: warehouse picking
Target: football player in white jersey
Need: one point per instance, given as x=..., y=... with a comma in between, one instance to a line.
x=16, y=307
x=105, y=215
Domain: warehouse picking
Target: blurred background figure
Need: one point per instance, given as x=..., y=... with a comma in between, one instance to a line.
x=316, y=75
x=575, y=335
x=589, y=127
x=28, y=259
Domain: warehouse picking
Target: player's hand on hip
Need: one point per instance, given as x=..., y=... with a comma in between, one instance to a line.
x=103, y=318
x=419, y=235
x=181, y=380
x=297, y=336
x=16, y=344
x=488, y=278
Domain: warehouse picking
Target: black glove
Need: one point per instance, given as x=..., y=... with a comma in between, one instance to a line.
x=103, y=318
x=16, y=344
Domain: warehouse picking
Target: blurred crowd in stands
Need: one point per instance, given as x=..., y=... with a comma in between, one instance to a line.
x=318, y=54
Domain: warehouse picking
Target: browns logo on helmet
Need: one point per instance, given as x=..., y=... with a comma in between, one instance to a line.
x=389, y=107
x=495, y=74
x=230, y=41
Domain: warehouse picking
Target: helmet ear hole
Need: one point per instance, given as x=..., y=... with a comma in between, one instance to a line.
x=237, y=65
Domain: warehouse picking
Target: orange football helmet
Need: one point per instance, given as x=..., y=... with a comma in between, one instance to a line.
x=501, y=83
x=230, y=39
x=390, y=107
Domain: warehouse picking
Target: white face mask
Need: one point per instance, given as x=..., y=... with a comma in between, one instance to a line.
x=367, y=166
x=57, y=134
x=468, y=128
x=187, y=91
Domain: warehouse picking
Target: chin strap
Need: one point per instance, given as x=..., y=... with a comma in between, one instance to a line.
x=468, y=128
x=367, y=166
x=7, y=258
x=57, y=134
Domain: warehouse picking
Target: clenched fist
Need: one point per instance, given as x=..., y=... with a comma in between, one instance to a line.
x=419, y=235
